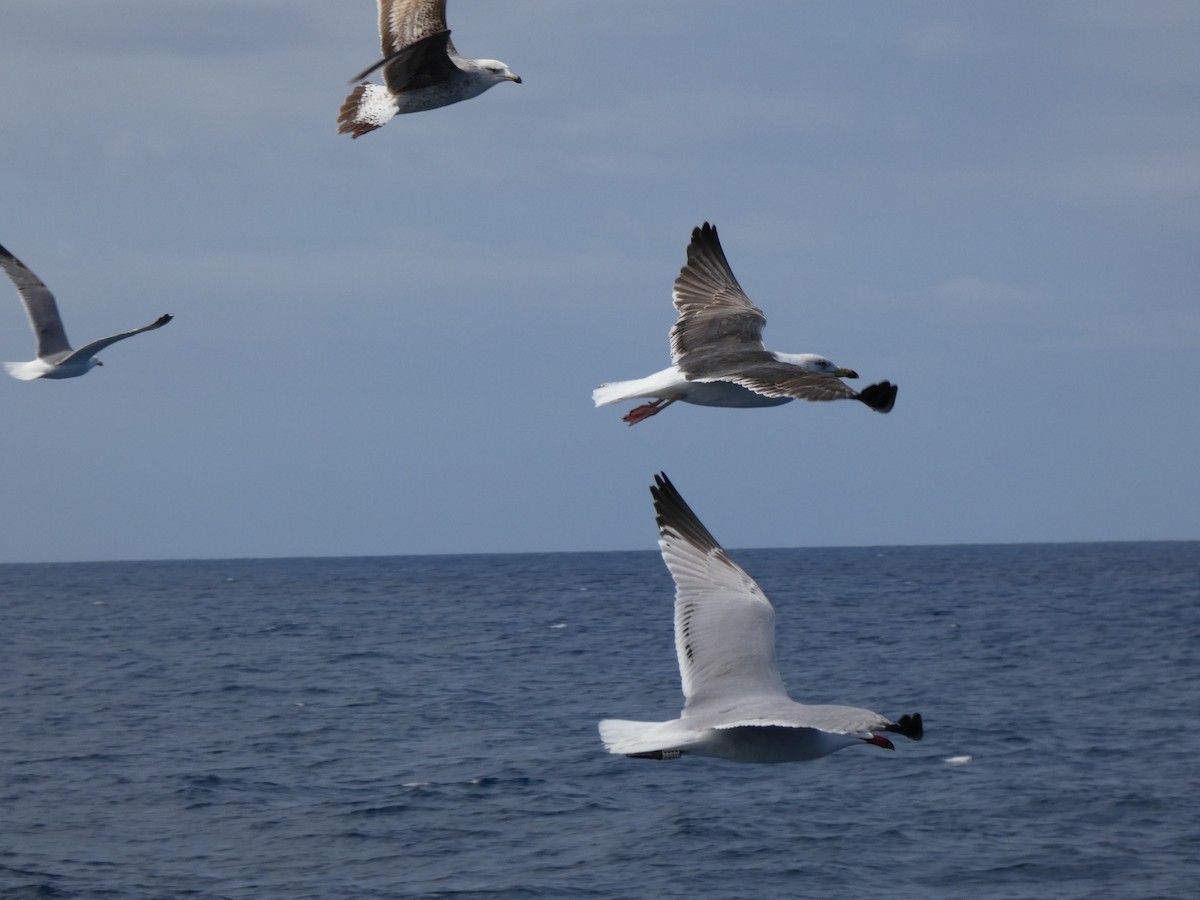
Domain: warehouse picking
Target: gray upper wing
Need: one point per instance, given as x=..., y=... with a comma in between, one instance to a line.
x=96, y=346
x=39, y=306
x=717, y=321
x=772, y=378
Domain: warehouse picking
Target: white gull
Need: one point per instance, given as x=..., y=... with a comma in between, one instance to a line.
x=717, y=353
x=735, y=705
x=421, y=69
x=55, y=357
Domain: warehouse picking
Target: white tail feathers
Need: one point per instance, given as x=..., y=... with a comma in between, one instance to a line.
x=26, y=371
x=613, y=392
x=668, y=383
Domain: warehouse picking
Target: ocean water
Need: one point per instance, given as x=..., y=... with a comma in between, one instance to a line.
x=426, y=727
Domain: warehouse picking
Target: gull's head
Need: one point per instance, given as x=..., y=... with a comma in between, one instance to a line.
x=94, y=362
x=497, y=70
x=811, y=362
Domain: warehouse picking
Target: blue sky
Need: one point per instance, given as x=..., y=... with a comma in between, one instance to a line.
x=388, y=345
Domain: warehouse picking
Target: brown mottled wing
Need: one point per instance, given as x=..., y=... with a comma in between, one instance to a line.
x=39, y=306
x=404, y=22
x=718, y=326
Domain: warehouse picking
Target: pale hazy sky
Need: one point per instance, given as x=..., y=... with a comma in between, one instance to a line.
x=388, y=345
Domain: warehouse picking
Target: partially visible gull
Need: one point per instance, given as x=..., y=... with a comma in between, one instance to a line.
x=735, y=705
x=717, y=353
x=55, y=358
x=421, y=69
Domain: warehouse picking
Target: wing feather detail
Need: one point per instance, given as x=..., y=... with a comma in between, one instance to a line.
x=724, y=623
x=39, y=306
x=716, y=318
x=404, y=22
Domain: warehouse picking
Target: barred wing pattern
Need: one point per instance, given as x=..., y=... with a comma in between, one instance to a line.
x=717, y=322
x=404, y=22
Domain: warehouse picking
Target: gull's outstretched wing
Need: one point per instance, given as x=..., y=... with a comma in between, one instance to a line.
x=96, y=346
x=717, y=322
x=39, y=306
x=776, y=378
x=772, y=378
x=405, y=29
x=404, y=22
x=724, y=624
x=829, y=719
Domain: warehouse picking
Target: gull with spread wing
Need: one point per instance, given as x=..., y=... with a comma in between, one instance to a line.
x=735, y=705
x=421, y=69
x=717, y=353
x=55, y=358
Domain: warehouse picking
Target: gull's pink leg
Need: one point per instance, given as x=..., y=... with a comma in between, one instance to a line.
x=646, y=410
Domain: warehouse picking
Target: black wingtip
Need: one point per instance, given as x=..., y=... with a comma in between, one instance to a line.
x=666, y=497
x=656, y=754
x=910, y=727
x=673, y=513
x=706, y=235
x=880, y=397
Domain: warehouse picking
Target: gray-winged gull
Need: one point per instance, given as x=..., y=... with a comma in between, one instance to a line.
x=55, y=358
x=421, y=69
x=717, y=353
x=735, y=705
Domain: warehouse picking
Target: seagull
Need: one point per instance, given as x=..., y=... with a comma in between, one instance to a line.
x=717, y=354
x=421, y=69
x=55, y=358
x=735, y=705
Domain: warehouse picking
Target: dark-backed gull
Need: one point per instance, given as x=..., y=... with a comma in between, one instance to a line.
x=717, y=354
x=735, y=705
x=421, y=69
x=55, y=358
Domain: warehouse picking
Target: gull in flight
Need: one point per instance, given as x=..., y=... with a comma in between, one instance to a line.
x=421, y=69
x=55, y=358
x=735, y=705
x=717, y=353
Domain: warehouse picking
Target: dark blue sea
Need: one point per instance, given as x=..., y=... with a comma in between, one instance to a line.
x=426, y=727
